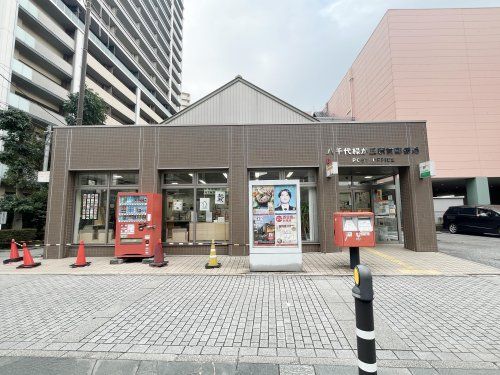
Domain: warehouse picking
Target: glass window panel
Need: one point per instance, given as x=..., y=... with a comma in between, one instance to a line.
x=265, y=175
x=212, y=214
x=304, y=175
x=308, y=214
x=180, y=215
x=90, y=216
x=212, y=177
x=113, y=194
x=125, y=178
x=93, y=179
x=178, y=178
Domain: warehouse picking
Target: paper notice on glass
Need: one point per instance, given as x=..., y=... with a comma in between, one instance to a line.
x=365, y=225
x=204, y=204
x=286, y=230
x=220, y=197
x=177, y=205
x=349, y=225
x=208, y=218
x=221, y=219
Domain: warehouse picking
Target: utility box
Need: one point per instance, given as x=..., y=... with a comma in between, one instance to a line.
x=354, y=229
x=138, y=224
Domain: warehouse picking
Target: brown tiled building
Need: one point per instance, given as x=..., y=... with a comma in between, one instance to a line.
x=236, y=134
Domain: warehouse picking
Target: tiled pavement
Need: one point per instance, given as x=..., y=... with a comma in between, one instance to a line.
x=422, y=322
x=382, y=260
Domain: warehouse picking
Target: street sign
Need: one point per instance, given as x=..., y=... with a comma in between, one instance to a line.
x=3, y=217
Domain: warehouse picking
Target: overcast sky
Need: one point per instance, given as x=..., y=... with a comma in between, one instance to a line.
x=298, y=50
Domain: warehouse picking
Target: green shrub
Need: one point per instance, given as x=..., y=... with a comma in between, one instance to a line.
x=20, y=235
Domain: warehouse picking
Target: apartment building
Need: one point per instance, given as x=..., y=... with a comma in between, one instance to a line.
x=442, y=66
x=134, y=60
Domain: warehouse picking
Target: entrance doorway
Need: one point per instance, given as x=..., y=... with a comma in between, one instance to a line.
x=374, y=190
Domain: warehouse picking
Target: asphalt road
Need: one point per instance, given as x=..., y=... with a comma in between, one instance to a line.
x=483, y=249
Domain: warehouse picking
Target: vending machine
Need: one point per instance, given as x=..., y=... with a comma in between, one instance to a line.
x=138, y=224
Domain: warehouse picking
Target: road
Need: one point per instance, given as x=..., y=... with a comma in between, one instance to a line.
x=483, y=249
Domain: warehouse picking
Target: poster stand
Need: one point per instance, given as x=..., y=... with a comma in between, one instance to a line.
x=274, y=225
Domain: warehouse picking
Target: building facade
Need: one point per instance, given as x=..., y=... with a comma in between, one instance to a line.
x=442, y=66
x=134, y=60
x=217, y=145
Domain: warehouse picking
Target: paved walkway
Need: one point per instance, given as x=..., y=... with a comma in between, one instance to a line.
x=427, y=323
x=382, y=260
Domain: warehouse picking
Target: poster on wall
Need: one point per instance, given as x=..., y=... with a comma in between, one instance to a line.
x=220, y=197
x=177, y=204
x=90, y=205
x=204, y=204
x=274, y=213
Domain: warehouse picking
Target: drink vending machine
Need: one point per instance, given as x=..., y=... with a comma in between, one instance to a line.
x=138, y=224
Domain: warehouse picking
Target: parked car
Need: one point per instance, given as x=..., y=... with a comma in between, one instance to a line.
x=473, y=219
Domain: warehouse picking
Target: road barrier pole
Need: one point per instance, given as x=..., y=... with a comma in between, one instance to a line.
x=365, y=329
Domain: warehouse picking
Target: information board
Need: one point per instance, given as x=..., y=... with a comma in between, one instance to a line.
x=274, y=217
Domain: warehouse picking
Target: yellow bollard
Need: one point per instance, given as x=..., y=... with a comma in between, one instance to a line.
x=212, y=259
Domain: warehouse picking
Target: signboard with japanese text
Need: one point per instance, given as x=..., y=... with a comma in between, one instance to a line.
x=90, y=206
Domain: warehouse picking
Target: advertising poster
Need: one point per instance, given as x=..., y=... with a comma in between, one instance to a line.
x=204, y=204
x=285, y=198
x=220, y=197
x=286, y=232
x=263, y=200
x=177, y=204
x=263, y=230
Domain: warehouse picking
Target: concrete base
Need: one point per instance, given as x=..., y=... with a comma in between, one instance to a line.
x=276, y=262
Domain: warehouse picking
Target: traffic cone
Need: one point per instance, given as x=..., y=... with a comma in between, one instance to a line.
x=28, y=259
x=159, y=259
x=80, y=257
x=14, y=253
x=212, y=259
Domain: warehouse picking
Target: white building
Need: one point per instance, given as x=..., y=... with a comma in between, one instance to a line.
x=134, y=61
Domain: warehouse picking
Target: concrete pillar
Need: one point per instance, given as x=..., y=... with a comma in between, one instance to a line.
x=8, y=21
x=478, y=191
x=137, y=105
x=77, y=61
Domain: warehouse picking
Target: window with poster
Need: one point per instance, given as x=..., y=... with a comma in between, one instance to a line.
x=308, y=195
x=196, y=206
x=95, y=204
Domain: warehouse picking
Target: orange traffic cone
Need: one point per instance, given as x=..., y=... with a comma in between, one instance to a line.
x=159, y=260
x=28, y=259
x=14, y=253
x=80, y=257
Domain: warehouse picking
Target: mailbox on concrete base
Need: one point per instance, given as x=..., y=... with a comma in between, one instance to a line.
x=353, y=230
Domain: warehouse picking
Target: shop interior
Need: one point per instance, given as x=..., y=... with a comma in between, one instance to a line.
x=374, y=189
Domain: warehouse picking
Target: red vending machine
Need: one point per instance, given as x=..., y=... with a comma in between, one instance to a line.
x=138, y=224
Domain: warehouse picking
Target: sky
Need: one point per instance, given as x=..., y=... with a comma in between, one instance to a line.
x=298, y=50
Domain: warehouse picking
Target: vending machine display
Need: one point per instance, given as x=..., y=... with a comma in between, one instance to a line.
x=138, y=224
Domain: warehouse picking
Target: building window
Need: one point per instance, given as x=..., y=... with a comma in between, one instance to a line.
x=308, y=195
x=95, y=204
x=196, y=206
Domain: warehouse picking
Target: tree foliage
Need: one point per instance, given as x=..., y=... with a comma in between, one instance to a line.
x=22, y=153
x=94, y=108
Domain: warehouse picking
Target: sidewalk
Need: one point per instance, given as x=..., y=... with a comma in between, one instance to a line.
x=389, y=260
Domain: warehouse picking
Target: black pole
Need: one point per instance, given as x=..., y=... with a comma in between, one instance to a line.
x=83, y=72
x=365, y=328
x=354, y=259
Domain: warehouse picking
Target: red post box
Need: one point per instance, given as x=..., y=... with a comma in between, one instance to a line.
x=354, y=229
x=138, y=224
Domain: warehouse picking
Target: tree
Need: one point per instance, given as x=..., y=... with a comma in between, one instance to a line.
x=94, y=108
x=23, y=155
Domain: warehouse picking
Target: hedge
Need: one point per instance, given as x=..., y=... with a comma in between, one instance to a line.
x=20, y=235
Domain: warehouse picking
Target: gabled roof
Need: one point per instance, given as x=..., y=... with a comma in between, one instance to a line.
x=239, y=102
